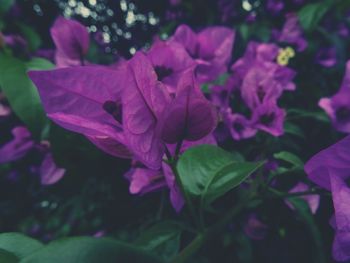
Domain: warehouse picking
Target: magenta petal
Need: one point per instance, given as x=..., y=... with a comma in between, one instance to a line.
x=190, y=116
x=49, y=172
x=79, y=105
x=143, y=180
x=18, y=147
x=71, y=39
x=143, y=101
x=312, y=200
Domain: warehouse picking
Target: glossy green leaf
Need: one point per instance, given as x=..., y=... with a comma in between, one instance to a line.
x=7, y=257
x=208, y=172
x=310, y=15
x=89, y=250
x=19, y=244
x=21, y=92
x=289, y=157
x=32, y=37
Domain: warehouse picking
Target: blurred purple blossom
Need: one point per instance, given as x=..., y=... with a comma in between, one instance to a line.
x=338, y=106
x=211, y=48
x=330, y=169
x=71, y=40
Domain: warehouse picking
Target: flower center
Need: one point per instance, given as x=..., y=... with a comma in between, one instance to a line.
x=162, y=72
x=267, y=119
x=113, y=108
x=238, y=127
x=343, y=113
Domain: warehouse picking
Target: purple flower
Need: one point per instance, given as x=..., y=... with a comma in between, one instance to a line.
x=330, y=170
x=18, y=147
x=292, y=33
x=254, y=228
x=169, y=60
x=312, y=200
x=260, y=86
x=327, y=57
x=153, y=118
x=49, y=172
x=238, y=125
x=144, y=180
x=261, y=57
x=126, y=110
x=71, y=40
x=338, y=106
x=211, y=49
x=90, y=106
x=268, y=117
x=275, y=6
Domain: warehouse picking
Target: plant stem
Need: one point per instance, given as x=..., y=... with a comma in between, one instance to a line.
x=205, y=236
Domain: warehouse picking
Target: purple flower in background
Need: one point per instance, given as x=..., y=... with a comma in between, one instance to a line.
x=330, y=170
x=292, y=33
x=268, y=117
x=260, y=86
x=211, y=49
x=71, y=40
x=49, y=172
x=312, y=200
x=327, y=57
x=254, y=228
x=260, y=57
x=338, y=106
x=18, y=147
x=275, y=6
x=238, y=125
x=170, y=60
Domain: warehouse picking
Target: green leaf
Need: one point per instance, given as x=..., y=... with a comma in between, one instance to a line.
x=89, y=250
x=5, y=5
x=289, y=157
x=208, y=172
x=21, y=92
x=162, y=239
x=32, y=37
x=310, y=15
x=293, y=129
x=7, y=257
x=19, y=244
x=305, y=214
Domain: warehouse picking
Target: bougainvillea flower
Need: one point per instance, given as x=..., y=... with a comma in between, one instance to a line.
x=330, y=170
x=90, y=106
x=239, y=126
x=189, y=116
x=18, y=147
x=268, y=117
x=49, y=172
x=313, y=201
x=259, y=86
x=71, y=40
x=292, y=33
x=170, y=60
x=261, y=57
x=327, y=57
x=152, y=117
x=211, y=49
x=338, y=106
